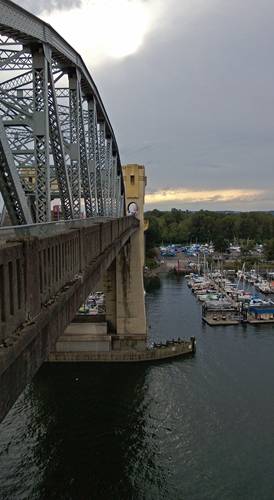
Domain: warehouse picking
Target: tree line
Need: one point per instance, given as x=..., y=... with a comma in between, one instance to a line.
x=183, y=227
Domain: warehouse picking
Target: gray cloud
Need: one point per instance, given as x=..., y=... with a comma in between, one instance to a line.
x=195, y=104
x=202, y=95
x=38, y=7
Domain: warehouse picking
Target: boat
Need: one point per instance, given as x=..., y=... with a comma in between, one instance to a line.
x=90, y=309
x=100, y=298
x=205, y=297
x=258, y=302
x=243, y=296
x=265, y=287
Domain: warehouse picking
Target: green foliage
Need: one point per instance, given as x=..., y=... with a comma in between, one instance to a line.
x=246, y=247
x=151, y=253
x=221, y=244
x=269, y=249
x=177, y=226
x=153, y=237
x=150, y=263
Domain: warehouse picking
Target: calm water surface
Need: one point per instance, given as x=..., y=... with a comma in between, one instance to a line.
x=195, y=428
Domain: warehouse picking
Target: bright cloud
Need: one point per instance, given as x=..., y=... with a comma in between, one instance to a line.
x=173, y=195
x=104, y=28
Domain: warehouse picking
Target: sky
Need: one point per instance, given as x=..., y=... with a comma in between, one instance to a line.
x=188, y=86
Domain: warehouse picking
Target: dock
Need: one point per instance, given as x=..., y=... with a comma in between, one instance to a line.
x=255, y=321
x=219, y=321
x=229, y=308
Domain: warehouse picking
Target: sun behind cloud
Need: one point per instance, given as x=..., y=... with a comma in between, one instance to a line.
x=103, y=28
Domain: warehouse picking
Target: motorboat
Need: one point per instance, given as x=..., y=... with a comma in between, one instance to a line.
x=265, y=287
x=205, y=297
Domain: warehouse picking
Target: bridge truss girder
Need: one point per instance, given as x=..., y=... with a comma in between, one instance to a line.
x=56, y=139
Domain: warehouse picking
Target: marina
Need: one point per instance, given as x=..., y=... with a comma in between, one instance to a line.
x=93, y=305
x=226, y=298
x=225, y=303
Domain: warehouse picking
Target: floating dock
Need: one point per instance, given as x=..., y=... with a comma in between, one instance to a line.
x=219, y=321
x=254, y=321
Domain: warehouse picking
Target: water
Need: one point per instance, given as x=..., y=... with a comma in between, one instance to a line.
x=192, y=428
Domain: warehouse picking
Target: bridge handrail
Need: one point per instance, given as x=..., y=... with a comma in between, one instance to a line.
x=47, y=228
x=48, y=264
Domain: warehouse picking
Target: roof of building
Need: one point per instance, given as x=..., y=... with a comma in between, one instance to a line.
x=262, y=309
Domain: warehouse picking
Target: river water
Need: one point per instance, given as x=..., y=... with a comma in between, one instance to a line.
x=185, y=429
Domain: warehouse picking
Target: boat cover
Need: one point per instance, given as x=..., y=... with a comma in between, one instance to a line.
x=217, y=304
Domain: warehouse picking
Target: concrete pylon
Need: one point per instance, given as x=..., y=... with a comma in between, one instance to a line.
x=135, y=183
x=123, y=283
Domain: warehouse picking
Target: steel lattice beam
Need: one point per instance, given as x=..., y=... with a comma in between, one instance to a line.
x=56, y=138
x=10, y=184
x=84, y=160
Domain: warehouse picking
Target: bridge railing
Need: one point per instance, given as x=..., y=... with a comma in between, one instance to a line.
x=47, y=264
x=12, y=294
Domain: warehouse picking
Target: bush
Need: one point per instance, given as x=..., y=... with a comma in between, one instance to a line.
x=151, y=263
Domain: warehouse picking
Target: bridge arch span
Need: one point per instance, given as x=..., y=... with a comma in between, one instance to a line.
x=56, y=140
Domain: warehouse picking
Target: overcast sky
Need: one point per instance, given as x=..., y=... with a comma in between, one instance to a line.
x=188, y=86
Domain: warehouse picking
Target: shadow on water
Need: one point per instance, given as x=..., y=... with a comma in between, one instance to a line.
x=85, y=436
x=152, y=284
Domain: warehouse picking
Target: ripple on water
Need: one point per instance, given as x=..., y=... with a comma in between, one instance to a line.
x=190, y=428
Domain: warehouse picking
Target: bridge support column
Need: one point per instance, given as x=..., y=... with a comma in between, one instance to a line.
x=125, y=303
x=131, y=316
x=123, y=282
x=107, y=284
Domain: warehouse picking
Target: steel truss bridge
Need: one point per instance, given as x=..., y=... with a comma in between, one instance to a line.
x=57, y=143
x=56, y=140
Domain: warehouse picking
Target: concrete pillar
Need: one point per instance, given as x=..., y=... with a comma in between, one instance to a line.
x=123, y=283
x=107, y=284
x=135, y=183
x=131, y=312
x=123, y=287
x=130, y=300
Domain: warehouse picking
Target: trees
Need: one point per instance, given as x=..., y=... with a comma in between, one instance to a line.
x=153, y=237
x=221, y=244
x=205, y=225
x=269, y=249
x=177, y=226
x=229, y=226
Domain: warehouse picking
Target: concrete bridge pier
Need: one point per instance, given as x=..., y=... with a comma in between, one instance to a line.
x=123, y=327
x=123, y=282
x=123, y=286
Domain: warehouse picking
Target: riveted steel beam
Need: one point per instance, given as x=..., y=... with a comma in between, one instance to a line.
x=54, y=125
